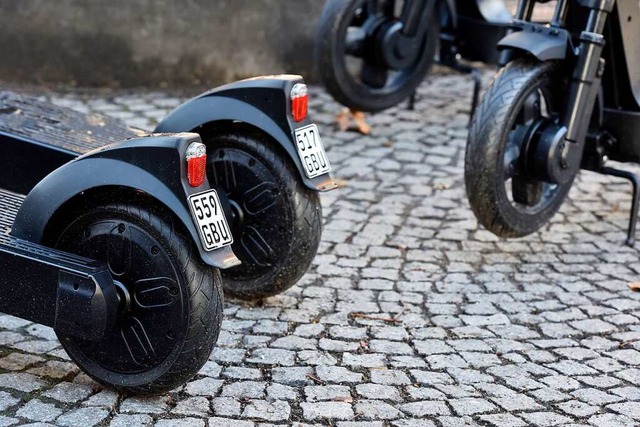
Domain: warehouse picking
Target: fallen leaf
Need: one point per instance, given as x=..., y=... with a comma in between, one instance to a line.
x=440, y=186
x=346, y=399
x=388, y=143
x=342, y=119
x=634, y=286
x=361, y=122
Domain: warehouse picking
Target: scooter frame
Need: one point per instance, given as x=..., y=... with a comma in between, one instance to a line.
x=602, y=117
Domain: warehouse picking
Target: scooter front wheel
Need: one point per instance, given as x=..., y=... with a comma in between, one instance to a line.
x=276, y=220
x=170, y=302
x=348, y=50
x=503, y=193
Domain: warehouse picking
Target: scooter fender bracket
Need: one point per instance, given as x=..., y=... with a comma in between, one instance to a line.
x=544, y=43
x=84, y=308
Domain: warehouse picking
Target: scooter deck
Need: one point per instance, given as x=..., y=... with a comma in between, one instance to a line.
x=9, y=206
x=37, y=137
x=59, y=127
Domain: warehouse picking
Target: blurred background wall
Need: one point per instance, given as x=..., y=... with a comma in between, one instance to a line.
x=155, y=43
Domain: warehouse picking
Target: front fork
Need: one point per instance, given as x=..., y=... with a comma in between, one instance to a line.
x=559, y=152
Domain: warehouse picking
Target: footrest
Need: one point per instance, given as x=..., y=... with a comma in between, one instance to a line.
x=48, y=124
x=9, y=205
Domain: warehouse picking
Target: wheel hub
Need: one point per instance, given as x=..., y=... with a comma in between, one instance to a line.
x=124, y=297
x=237, y=215
x=398, y=51
x=550, y=154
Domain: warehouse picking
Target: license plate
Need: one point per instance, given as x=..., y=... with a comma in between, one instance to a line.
x=210, y=220
x=311, y=151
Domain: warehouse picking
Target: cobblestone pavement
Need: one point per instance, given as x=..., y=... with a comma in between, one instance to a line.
x=540, y=331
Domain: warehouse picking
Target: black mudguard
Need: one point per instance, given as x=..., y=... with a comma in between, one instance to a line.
x=544, y=43
x=262, y=103
x=154, y=165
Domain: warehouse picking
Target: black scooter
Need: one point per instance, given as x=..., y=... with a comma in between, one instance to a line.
x=568, y=98
x=372, y=54
x=264, y=156
x=111, y=250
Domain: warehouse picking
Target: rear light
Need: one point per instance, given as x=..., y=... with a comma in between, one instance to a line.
x=299, y=102
x=196, y=163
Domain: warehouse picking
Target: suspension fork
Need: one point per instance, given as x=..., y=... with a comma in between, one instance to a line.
x=585, y=80
x=412, y=14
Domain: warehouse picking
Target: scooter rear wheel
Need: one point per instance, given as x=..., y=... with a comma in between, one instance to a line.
x=276, y=220
x=170, y=302
x=504, y=195
x=346, y=56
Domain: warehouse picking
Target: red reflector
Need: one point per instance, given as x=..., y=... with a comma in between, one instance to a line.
x=299, y=102
x=196, y=164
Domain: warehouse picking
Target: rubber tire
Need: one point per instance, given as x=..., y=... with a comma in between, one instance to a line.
x=303, y=211
x=199, y=282
x=486, y=142
x=334, y=20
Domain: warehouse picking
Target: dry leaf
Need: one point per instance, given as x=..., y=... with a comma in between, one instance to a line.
x=440, y=186
x=634, y=286
x=343, y=118
x=361, y=122
x=346, y=399
x=388, y=143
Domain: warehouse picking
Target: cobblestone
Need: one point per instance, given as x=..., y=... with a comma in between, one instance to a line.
x=538, y=331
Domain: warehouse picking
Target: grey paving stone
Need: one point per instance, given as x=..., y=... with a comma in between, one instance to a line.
x=327, y=410
x=36, y=410
x=425, y=408
x=192, y=406
x=377, y=391
x=269, y=411
x=217, y=421
x=471, y=406
x=69, y=392
x=376, y=410
x=88, y=417
x=21, y=382
x=7, y=401
x=337, y=374
x=225, y=406
x=327, y=392
x=245, y=390
x=203, y=387
x=145, y=405
x=181, y=422
x=131, y=421
x=545, y=419
x=503, y=420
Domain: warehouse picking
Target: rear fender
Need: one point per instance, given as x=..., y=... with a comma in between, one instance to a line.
x=262, y=103
x=154, y=166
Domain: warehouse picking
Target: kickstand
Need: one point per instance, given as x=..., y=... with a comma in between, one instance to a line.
x=635, y=182
x=411, y=105
x=477, y=83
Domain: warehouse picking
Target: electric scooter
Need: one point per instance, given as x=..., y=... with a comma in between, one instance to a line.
x=115, y=251
x=265, y=158
x=567, y=99
x=372, y=54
